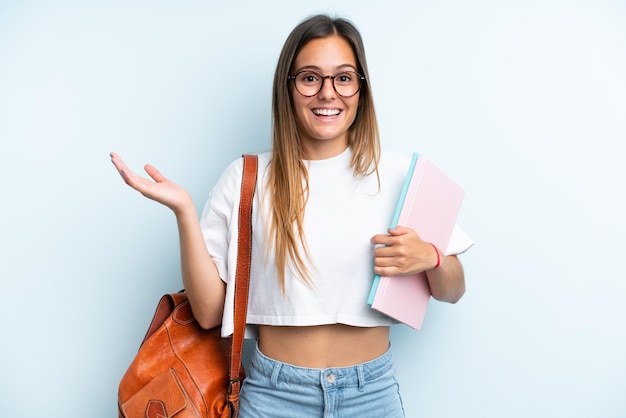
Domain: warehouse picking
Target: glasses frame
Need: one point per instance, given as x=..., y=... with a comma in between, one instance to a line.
x=324, y=77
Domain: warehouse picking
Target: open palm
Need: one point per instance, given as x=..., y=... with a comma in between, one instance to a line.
x=157, y=187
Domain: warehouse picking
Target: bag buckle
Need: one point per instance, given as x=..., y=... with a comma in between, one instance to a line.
x=232, y=383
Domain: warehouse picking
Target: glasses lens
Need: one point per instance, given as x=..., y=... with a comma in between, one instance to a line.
x=309, y=83
x=347, y=84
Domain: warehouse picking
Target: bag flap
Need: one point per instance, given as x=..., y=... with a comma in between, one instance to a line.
x=162, y=397
x=166, y=306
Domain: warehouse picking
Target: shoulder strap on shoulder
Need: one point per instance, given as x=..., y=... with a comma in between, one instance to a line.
x=242, y=274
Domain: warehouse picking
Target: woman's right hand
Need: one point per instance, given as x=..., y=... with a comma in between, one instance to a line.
x=159, y=189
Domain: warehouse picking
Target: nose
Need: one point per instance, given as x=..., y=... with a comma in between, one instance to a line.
x=328, y=89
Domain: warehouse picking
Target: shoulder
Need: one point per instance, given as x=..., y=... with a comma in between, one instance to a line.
x=231, y=176
x=224, y=196
x=229, y=181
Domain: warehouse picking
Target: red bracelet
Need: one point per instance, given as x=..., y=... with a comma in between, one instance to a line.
x=438, y=258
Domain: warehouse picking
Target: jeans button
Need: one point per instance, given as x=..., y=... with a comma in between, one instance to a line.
x=330, y=378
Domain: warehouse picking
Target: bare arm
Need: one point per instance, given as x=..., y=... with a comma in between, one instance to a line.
x=205, y=290
x=403, y=252
x=447, y=282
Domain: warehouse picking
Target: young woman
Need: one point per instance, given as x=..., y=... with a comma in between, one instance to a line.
x=324, y=199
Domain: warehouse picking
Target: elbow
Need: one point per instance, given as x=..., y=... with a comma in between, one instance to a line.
x=452, y=295
x=207, y=319
x=207, y=324
x=455, y=298
x=457, y=293
x=207, y=311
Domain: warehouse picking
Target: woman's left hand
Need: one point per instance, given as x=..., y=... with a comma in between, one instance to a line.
x=402, y=252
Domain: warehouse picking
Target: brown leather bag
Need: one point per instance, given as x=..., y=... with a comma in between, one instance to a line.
x=181, y=369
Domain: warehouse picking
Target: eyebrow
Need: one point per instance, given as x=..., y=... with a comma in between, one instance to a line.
x=318, y=69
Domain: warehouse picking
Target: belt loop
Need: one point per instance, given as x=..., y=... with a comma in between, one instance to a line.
x=360, y=377
x=277, y=366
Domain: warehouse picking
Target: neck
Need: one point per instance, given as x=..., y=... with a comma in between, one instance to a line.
x=324, y=150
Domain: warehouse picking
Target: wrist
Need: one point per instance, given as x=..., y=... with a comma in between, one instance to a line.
x=438, y=259
x=185, y=211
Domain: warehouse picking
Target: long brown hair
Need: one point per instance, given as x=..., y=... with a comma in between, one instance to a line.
x=288, y=179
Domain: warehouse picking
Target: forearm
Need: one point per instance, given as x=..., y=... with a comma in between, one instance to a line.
x=447, y=282
x=204, y=287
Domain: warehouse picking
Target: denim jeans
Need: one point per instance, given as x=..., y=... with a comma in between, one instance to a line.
x=275, y=390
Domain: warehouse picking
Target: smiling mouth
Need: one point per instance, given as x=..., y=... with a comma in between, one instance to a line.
x=326, y=112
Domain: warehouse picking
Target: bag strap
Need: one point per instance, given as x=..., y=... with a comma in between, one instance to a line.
x=242, y=276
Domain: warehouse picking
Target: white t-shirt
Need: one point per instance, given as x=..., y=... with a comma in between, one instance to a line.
x=342, y=213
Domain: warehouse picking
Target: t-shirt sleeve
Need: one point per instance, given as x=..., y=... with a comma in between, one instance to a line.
x=219, y=216
x=459, y=242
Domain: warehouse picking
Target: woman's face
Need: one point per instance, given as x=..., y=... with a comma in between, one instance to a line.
x=324, y=119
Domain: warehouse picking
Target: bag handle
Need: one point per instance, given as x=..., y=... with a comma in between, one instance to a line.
x=242, y=276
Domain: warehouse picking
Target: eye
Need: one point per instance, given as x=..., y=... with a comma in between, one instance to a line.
x=344, y=78
x=309, y=77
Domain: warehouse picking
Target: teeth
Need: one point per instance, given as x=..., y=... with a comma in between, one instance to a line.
x=326, y=112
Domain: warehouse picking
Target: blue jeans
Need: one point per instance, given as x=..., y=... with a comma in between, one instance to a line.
x=275, y=390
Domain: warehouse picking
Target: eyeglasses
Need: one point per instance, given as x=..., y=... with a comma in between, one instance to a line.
x=309, y=83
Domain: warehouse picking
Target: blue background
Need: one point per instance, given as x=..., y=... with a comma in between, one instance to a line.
x=523, y=103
